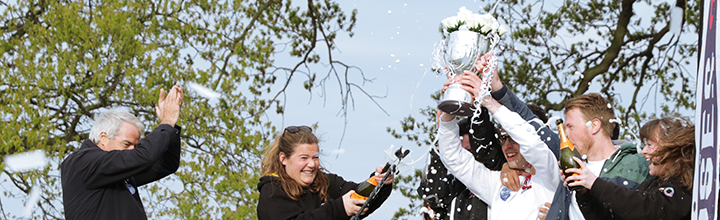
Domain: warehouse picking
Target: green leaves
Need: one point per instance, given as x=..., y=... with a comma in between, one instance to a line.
x=63, y=61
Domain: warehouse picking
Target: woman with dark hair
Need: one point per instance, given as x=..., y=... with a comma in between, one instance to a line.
x=670, y=147
x=295, y=186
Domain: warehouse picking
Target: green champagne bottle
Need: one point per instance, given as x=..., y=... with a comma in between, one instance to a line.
x=567, y=151
x=365, y=188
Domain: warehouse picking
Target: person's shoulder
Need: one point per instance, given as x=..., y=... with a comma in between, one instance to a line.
x=264, y=180
x=626, y=145
x=270, y=184
x=334, y=178
x=86, y=147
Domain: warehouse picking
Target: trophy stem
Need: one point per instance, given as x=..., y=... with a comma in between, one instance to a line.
x=457, y=101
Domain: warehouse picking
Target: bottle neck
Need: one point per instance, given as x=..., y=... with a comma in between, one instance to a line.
x=563, y=136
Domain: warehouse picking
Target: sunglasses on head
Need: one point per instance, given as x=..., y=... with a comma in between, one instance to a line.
x=293, y=129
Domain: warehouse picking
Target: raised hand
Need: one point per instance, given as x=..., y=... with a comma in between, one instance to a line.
x=480, y=64
x=168, y=108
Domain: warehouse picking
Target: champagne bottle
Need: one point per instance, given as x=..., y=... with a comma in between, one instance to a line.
x=567, y=151
x=365, y=188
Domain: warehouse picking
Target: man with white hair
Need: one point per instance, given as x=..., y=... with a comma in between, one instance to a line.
x=100, y=179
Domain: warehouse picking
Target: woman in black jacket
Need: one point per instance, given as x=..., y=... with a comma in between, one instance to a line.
x=670, y=147
x=295, y=186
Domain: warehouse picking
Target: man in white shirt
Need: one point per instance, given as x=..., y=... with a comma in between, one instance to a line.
x=524, y=150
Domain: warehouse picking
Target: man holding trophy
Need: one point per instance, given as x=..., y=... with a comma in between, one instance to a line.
x=521, y=145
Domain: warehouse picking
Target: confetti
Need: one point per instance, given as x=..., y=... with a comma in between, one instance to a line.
x=32, y=200
x=204, y=91
x=25, y=161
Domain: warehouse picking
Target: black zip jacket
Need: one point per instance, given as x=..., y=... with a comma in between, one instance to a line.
x=275, y=204
x=653, y=199
x=97, y=184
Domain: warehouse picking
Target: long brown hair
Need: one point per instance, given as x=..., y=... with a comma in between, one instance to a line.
x=675, y=138
x=286, y=143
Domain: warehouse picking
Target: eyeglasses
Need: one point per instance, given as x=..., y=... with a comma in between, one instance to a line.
x=503, y=138
x=294, y=129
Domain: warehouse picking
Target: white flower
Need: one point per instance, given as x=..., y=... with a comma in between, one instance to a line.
x=450, y=22
x=502, y=30
x=472, y=22
x=463, y=14
x=486, y=28
x=484, y=23
x=495, y=25
x=485, y=19
x=445, y=23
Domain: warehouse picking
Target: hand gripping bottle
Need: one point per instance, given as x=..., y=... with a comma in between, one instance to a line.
x=365, y=188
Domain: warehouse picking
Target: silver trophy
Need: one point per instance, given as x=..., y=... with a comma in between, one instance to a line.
x=460, y=50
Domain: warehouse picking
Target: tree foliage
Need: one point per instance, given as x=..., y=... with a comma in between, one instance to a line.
x=559, y=50
x=62, y=61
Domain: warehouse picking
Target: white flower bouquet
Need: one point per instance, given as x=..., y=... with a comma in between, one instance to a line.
x=467, y=20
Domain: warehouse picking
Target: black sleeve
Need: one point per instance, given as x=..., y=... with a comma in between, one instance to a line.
x=168, y=163
x=105, y=167
x=379, y=199
x=435, y=186
x=668, y=200
x=484, y=144
x=590, y=206
x=274, y=204
x=346, y=186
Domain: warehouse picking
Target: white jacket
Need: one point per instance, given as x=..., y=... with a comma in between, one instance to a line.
x=487, y=185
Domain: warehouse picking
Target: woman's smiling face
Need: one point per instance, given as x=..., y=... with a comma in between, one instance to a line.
x=650, y=148
x=302, y=164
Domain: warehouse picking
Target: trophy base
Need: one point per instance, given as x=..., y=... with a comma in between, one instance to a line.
x=455, y=107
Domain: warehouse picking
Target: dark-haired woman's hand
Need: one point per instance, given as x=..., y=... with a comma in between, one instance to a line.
x=380, y=176
x=352, y=206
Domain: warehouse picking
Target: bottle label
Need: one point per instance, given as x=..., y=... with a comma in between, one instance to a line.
x=354, y=195
x=567, y=145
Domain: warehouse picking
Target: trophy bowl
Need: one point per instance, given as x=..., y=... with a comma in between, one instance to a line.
x=461, y=49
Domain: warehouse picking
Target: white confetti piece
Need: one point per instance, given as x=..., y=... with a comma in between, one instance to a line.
x=32, y=200
x=204, y=91
x=25, y=161
x=337, y=151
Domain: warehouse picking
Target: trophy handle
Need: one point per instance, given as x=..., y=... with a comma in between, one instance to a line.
x=494, y=38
